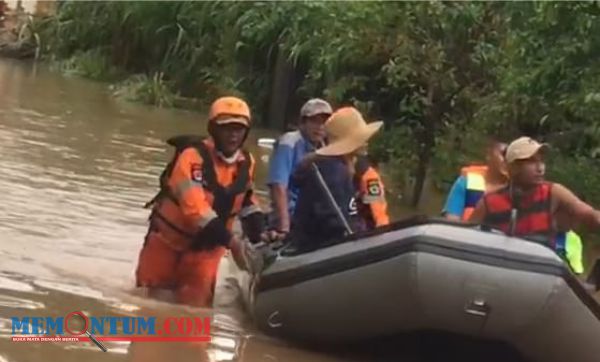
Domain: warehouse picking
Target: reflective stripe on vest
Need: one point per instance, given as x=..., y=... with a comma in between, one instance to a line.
x=533, y=212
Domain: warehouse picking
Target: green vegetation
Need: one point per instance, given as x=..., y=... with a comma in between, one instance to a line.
x=443, y=75
x=151, y=90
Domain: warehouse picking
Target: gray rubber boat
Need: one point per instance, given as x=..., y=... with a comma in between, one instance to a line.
x=430, y=275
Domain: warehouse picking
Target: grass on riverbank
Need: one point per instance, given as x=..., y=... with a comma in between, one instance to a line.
x=152, y=90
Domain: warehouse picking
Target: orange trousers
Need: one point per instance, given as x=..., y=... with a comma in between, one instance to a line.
x=192, y=275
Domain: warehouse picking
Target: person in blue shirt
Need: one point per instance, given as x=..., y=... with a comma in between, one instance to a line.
x=288, y=152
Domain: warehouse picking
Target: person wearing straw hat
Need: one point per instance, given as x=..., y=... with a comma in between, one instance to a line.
x=529, y=206
x=327, y=207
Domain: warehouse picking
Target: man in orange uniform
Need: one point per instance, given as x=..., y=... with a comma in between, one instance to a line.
x=207, y=184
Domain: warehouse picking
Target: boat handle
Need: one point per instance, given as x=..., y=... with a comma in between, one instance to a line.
x=478, y=308
x=272, y=322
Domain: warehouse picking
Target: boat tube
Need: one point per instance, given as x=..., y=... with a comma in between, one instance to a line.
x=423, y=274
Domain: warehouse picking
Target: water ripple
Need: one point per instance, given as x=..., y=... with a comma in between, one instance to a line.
x=9, y=284
x=7, y=301
x=70, y=289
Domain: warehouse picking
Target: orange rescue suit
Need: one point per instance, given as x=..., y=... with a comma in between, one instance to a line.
x=198, y=189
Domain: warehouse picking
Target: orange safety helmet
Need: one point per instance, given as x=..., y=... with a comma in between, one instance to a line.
x=230, y=106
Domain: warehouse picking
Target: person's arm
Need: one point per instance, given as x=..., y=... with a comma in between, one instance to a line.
x=280, y=169
x=186, y=185
x=455, y=203
x=372, y=193
x=478, y=214
x=281, y=206
x=565, y=201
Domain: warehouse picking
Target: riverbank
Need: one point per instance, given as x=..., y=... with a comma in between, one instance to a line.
x=15, y=41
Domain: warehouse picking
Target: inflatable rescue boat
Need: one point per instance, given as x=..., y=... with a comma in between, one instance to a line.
x=423, y=274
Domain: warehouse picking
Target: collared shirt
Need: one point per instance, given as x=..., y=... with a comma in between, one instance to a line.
x=455, y=204
x=289, y=151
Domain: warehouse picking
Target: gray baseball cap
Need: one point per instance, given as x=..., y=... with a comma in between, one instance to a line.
x=315, y=106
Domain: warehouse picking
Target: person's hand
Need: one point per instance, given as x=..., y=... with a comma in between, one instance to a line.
x=246, y=256
x=273, y=236
x=307, y=160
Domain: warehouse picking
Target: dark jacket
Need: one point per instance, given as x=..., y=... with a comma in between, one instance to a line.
x=315, y=221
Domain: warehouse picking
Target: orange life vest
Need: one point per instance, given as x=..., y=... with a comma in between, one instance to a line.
x=224, y=188
x=533, y=212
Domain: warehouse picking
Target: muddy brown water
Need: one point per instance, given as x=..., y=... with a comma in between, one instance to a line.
x=76, y=166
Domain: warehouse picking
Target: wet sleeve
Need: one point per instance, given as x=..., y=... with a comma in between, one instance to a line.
x=372, y=194
x=281, y=165
x=186, y=184
x=455, y=204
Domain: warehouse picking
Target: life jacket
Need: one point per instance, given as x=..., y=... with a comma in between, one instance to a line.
x=531, y=213
x=475, y=177
x=226, y=201
x=569, y=246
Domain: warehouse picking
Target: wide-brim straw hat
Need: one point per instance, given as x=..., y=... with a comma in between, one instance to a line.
x=346, y=132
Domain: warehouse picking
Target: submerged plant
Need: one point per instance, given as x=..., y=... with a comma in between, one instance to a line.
x=150, y=90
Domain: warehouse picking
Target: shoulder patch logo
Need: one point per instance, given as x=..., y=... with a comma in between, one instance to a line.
x=373, y=188
x=196, y=173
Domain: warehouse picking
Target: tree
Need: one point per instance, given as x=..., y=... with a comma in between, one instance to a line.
x=406, y=68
